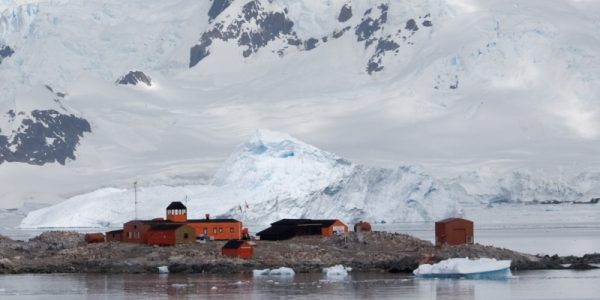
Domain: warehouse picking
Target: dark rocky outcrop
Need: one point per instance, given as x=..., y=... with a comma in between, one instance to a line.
x=411, y=25
x=270, y=25
x=5, y=51
x=310, y=44
x=218, y=6
x=345, y=13
x=134, y=78
x=46, y=136
x=256, y=25
x=368, y=26
x=375, y=62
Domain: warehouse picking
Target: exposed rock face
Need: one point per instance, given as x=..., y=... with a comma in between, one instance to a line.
x=345, y=13
x=135, y=78
x=268, y=26
x=42, y=136
x=47, y=137
x=5, y=51
x=217, y=8
x=260, y=23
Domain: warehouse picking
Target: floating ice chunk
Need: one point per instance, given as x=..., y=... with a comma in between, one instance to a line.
x=263, y=272
x=337, y=271
x=466, y=268
x=163, y=270
x=283, y=271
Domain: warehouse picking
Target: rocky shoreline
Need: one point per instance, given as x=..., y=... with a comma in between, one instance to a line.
x=67, y=252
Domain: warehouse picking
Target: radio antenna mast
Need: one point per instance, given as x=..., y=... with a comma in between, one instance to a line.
x=135, y=200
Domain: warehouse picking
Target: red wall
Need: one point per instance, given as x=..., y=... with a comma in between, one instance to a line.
x=162, y=238
x=328, y=231
x=454, y=232
x=219, y=230
x=245, y=251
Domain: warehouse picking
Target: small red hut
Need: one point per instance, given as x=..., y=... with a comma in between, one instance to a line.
x=362, y=227
x=94, y=237
x=236, y=248
x=453, y=231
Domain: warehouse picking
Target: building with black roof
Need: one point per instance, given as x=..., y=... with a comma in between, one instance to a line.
x=288, y=228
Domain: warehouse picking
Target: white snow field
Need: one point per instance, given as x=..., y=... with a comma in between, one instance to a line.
x=434, y=104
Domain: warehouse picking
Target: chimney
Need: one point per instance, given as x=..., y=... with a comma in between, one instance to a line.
x=208, y=216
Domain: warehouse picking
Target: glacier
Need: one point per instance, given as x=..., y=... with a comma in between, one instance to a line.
x=495, y=103
x=269, y=177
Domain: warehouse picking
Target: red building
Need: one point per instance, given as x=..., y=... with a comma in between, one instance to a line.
x=138, y=231
x=217, y=229
x=114, y=236
x=236, y=248
x=453, y=231
x=170, y=234
x=362, y=227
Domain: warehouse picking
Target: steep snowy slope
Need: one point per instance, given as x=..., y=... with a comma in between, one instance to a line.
x=457, y=86
x=269, y=177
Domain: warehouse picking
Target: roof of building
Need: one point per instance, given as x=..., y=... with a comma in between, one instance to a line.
x=277, y=230
x=213, y=221
x=233, y=244
x=176, y=205
x=304, y=222
x=164, y=227
x=453, y=220
x=151, y=221
x=114, y=231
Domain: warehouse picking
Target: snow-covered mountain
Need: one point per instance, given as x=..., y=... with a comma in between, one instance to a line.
x=269, y=177
x=498, y=98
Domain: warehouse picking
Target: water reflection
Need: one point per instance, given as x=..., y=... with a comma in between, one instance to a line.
x=527, y=285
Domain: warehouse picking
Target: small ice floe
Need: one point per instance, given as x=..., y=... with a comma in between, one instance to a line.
x=483, y=268
x=283, y=271
x=179, y=285
x=213, y=288
x=337, y=271
x=263, y=272
x=163, y=270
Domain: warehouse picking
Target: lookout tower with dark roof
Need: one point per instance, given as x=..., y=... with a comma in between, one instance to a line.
x=177, y=212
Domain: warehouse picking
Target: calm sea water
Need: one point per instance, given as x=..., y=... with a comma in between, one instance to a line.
x=563, y=284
